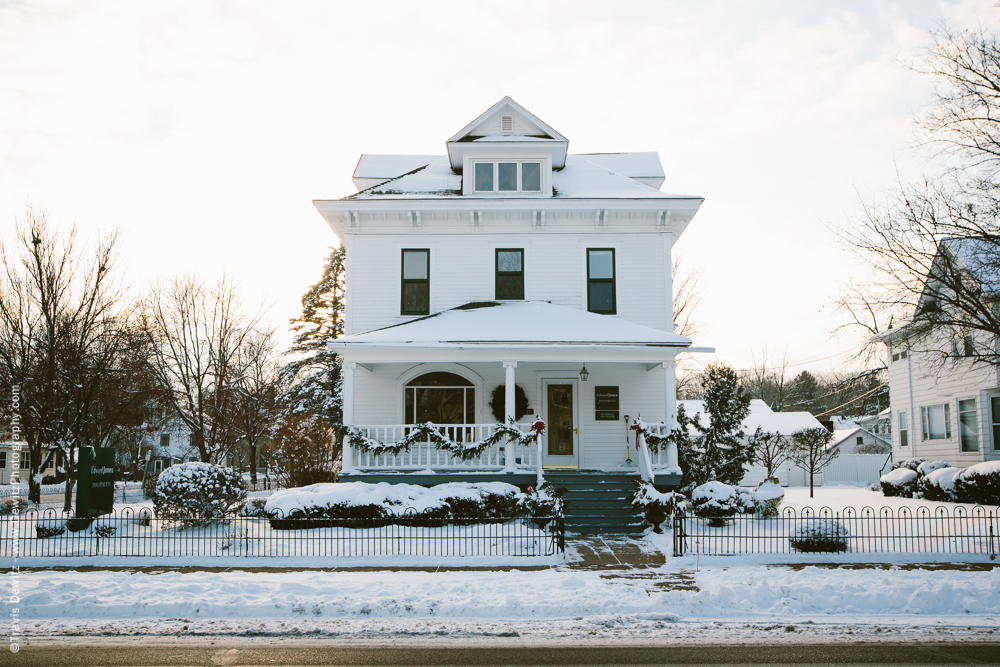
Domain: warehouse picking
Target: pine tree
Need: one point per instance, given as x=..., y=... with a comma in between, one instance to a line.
x=314, y=376
x=719, y=450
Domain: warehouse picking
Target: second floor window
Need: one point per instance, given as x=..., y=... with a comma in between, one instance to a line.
x=510, y=274
x=601, y=281
x=935, y=421
x=416, y=283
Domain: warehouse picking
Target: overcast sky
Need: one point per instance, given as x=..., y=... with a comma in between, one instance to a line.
x=204, y=129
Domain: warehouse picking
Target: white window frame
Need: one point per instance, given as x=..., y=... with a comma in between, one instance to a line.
x=925, y=421
x=975, y=424
x=496, y=176
x=25, y=460
x=904, y=430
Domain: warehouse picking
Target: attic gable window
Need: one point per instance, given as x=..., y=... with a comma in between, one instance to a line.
x=508, y=176
x=506, y=124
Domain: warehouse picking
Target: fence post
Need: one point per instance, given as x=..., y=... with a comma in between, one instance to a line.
x=678, y=531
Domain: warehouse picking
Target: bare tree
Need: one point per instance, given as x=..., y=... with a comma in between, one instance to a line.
x=770, y=449
x=687, y=288
x=255, y=391
x=768, y=378
x=64, y=341
x=198, y=336
x=306, y=449
x=810, y=449
x=934, y=247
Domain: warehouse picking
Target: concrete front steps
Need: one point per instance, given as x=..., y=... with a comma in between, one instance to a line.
x=598, y=503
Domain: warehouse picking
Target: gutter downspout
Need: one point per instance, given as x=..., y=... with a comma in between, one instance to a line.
x=911, y=417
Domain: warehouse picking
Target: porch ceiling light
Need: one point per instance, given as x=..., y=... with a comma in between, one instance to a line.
x=584, y=374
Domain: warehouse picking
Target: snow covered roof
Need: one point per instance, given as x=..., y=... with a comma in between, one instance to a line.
x=374, y=169
x=763, y=416
x=840, y=435
x=508, y=121
x=582, y=178
x=515, y=323
x=643, y=167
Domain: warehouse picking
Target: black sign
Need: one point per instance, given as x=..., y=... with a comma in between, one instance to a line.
x=606, y=403
x=95, y=473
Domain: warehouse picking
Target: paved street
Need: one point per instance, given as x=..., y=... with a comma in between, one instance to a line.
x=234, y=653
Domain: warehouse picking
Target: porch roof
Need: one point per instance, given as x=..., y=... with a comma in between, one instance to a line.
x=519, y=330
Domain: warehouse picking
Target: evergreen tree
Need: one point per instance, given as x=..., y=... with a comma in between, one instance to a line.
x=718, y=450
x=313, y=377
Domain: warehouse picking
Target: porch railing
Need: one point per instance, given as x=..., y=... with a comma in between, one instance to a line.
x=664, y=460
x=427, y=456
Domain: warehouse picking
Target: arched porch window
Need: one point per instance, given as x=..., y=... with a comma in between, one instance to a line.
x=441, y=398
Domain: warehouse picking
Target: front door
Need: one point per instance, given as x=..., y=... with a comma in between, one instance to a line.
x=561, y=446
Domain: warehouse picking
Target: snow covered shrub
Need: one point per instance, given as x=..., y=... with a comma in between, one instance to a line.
x=13, y=506
x=927, y=467
x=253, y=508
x=362, y=505
x=105, y=529
x=195, y=493
x=49, y=527
x=545, y=501
x=819, y=535
x=910, y=464
x=979, y=484
x=767, y=498
x=715, y=501
x=657, y=505
x=900, y=482
x=939, y=484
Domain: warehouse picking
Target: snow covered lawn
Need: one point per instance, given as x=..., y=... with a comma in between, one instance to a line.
x=651, y=604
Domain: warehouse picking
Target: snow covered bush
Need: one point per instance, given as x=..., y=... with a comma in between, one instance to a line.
x=767, y=498
x=819, y=535
x=13, y=506
x=716, y=501
x=362, y=505
x=900, y=482
x=910, y=464
x=195, y=493
x=979, y=484
x=939, y=484
x=927, y=467
x=253, y=508
x=657, y=505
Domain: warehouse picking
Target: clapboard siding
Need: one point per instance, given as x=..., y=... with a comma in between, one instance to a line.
x=934, y=383
x=462, y=270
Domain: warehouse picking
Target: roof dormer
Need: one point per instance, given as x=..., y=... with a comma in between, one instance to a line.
x=507, y=151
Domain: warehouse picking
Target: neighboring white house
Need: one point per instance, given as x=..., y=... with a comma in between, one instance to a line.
x=509, y=262
x=944, y=408
x=7, y=458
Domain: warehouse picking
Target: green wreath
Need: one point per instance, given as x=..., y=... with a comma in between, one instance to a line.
x=498, y=402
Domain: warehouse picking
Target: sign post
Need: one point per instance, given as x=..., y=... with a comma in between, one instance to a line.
x=95, y=492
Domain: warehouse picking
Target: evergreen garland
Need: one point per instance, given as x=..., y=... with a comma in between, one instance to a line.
x=429, y=432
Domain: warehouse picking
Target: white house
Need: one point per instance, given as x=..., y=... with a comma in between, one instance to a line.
x=508, y=262
x=943, y=406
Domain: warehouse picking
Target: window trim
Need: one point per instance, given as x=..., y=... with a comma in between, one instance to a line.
x=925, y=421
x=497, y=273
x=975, y=425
x=613, y=280
x=3, y=460
x=520, y=162
x=904, y=429
x=403, y=281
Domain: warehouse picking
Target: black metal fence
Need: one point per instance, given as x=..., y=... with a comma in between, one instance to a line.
x=128, y=533
x=924, y=530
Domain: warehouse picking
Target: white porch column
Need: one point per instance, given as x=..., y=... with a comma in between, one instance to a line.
x=509, y=413
x=670, y=406
x=347, y=394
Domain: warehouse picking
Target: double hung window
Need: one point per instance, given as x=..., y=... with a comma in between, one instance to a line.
x=3, y=460
x=25, y=460
x=968, y=426
x=510, y=274
x=904, y=432
x=508, y=176
x=935, y=421
x=415, y=290
x=601, y=281
x=995, y=421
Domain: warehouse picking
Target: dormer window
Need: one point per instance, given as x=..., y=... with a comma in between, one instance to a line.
x=508, y=176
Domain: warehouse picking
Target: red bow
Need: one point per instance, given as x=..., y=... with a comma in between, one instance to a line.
x=537, y=427
x=637, y=429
